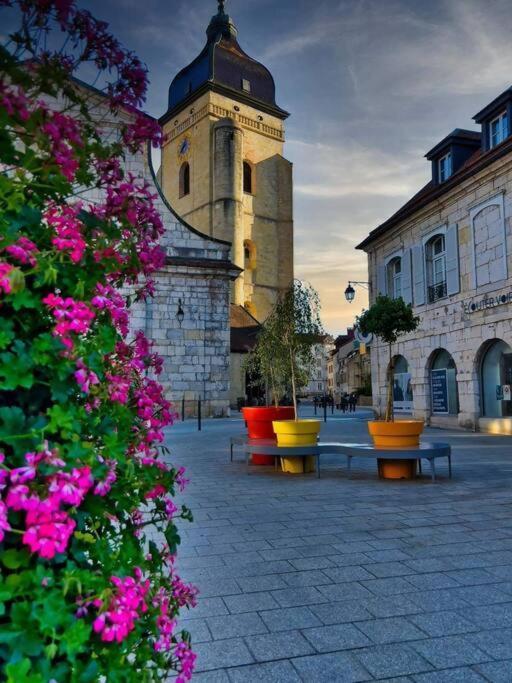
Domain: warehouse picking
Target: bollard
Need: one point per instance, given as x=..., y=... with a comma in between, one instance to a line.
x=183, y=409
x=332, y=407
x=314, y=403
x=198, y=414
x=325, y=411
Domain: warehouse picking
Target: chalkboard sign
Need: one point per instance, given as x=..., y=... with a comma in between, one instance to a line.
x=439, y=388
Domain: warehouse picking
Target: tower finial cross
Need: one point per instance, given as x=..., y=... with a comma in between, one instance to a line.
x=221, y=6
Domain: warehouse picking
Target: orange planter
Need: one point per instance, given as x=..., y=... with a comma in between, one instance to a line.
x=399, y=433
x=259, y=426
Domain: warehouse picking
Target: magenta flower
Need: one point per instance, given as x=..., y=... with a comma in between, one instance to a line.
x=4, y=524
x=5, y=282
x=48, y=530
x=128, y=603
x=85, y=377
x=64, y=221
x=71, y=487
x=23, y=251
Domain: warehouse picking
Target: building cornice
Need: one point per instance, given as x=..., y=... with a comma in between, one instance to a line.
x=233, y=94
x=437, y=192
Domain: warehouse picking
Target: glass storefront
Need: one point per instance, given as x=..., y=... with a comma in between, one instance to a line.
x=402, y=388
x=443, y=385
x=496, y=376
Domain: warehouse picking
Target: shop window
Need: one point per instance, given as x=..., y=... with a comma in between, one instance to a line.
x=435, y=253
x=185, y=179
x=402, y=387
x=495, y=374
x=247, y=172
x=443, y=384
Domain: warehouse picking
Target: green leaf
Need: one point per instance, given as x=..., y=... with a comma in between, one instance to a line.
x=19, y=673
x=76, y=637
x=13, y=559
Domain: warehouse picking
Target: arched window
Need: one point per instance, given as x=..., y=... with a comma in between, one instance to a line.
x=496, y=372
x=402, y=387
x=394, y=276
x=249, y=255
x=435, y=252
x=184, y=179
x=247, y=177
x=443, y=384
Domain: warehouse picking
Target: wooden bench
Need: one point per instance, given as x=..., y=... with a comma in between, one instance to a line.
x=425, y=451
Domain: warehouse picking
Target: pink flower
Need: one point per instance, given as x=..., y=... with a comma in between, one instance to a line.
x=187, y=660
x=64, y=221
x=48, y=530
x=170, y=508
x=71, y=316
x=5, y=282
x=23, y=251
x=128, y=603
x=156, y=492
x=20, y=475
x=70, y=487
x=19, y=497
x=4, y=524
x=103, y=487
x=85, y=377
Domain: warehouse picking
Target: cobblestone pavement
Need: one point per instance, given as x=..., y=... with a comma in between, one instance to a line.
x=348, y=580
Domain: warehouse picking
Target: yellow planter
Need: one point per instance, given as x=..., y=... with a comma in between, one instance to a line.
x=395, y=434
x=297, y=433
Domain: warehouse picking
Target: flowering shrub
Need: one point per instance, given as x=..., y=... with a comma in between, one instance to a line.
x=86, y=594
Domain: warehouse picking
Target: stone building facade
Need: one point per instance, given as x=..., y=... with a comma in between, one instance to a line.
x=448, y=252
x=223, y=168
x=196, y=280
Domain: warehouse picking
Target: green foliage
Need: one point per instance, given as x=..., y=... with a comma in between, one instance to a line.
x=284, y=352
x=388, y=319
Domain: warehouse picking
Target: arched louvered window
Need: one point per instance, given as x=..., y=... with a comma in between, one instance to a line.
x=185, y=179
x=247, y=177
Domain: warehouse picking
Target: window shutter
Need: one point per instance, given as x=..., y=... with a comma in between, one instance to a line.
x=418, y=274
x=381, y=279
x=406, y=277
x=452, y=260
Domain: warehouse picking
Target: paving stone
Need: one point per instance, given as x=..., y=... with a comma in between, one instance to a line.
x=432, y=581
x=351, y=573
x=212, y=589
x=266, y=582
x=391, y=555
x=472, y=577
x=206, y=607
x=294, y=597
x=277, y=672
x=385, y=661
x=443, y=623
x=430, y=564
x=250, y=602
x=306, y=563
x=496, y=643
x=482, y=595
x=289, y=618
x=198, y=629
x=234, y=625
x=398, y=605
x=383, y=570
x=439, y=600
x=391, y=630
x=450, y=651
x=341, y=612
x=349, y=559
x=344, y=591
x=496, y=672
x=336, y=637
x=280, y=645
x=339, y=667
x=491, y=616
x=459, y=675
x=313, y=577
x=222, y=653
x=391, y=586
x=218, y=676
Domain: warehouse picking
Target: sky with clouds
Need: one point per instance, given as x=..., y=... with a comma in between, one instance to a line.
x=371, y=85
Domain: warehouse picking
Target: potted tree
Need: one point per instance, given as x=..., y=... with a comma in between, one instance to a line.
x=265, y=371
x=389, y=319
x=293, y=328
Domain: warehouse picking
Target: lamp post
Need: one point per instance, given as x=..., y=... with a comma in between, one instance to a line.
x=350, y=292
x=180, y=315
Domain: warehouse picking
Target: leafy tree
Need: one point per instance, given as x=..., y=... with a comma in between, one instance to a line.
x=287, y=340
x=86, y=594
x=388, y=319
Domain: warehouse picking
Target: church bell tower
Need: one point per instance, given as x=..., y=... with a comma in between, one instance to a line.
x=223, y=169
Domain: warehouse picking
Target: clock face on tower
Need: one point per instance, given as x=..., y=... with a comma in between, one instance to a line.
x=184, y=147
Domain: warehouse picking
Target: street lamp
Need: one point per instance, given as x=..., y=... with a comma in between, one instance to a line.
x=350, y=292
x=180, y=315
